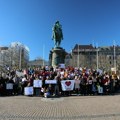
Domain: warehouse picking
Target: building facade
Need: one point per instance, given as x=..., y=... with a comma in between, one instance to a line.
x=96, y=58
x=84, y=56
x=109, y=57
x=37, y=63
x=14, y=56
x=3, y=57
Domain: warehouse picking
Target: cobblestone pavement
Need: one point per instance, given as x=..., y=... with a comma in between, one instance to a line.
x=63, y=108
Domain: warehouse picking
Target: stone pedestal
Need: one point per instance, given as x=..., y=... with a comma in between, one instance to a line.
x=57, y=56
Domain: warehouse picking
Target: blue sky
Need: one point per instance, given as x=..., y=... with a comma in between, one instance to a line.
x=83, y=22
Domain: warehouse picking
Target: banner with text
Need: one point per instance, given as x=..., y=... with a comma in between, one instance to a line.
x=50, y=81
x=28, y=90
x=37, y=83
x=67, y=85
x=9, y=86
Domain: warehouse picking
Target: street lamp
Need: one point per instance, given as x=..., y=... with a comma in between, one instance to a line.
x=114, y=57
x=97, y=57
x=78, y=57
x=20, y=55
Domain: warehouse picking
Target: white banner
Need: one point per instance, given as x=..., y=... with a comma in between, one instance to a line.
x=61, y=65
x=113, y=69
x=9, y=86
x=50, y=81
x=67, y=85
x=28, y=90
x=100, y=89
x=19, y=74
x=37, y=83
x=100, y=71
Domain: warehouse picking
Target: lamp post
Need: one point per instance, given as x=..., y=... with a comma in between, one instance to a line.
x=2, y=56
x=97, y=57
x=78, y=57
x=43, y=55
x=114, y=57
x=20, y=56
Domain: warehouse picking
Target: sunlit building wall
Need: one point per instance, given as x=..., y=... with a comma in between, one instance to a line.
x=19, y=55
x=14, y=56
x=86, y=56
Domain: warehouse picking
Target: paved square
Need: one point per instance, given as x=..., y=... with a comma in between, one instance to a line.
x=63, y=108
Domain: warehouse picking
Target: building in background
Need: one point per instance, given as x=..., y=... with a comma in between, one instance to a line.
x=109, y=57
x=39, y=62
x=84, y=56
x=14, y=56
x=103, y=58
x=4, y=55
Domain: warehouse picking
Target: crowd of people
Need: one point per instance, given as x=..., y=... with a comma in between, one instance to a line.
x=86, y=81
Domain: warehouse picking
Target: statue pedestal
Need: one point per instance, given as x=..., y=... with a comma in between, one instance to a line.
x=57, y=56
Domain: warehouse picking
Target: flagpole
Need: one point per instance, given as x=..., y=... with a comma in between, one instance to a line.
x=97, y=56
x=20, y=56
x=114, y=57
x=78, y=56
x=43, y=55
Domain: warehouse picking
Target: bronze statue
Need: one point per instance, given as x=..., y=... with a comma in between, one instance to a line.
x=57, y=34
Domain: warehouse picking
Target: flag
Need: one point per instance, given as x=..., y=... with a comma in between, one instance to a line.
x=67, y=85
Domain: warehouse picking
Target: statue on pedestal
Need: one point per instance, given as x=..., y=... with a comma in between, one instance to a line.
x=57, y=55
x=57, y=34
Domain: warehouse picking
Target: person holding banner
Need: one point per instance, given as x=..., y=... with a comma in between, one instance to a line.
x=37, y=84
x=56, y=89
x=16, y=87
x=77, y=85
x=2, y=86
x=9, y=86
x=47, y=93
x=24, y=84
x=90, y=83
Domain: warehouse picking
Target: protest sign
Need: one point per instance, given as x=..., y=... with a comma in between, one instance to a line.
x=67, y=85
x=19, y=74
x=37, y=83
x=61, y=65
x=100, y=71
x=100, y=90
x=50, y=81
x=28, y=90
x=9, y=86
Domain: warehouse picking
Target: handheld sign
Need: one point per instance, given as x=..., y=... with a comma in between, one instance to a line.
x=37, y=83
x=50, y=81
x=67, y=85
x=62, y=66
x=9, y=86
x=28, y=90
